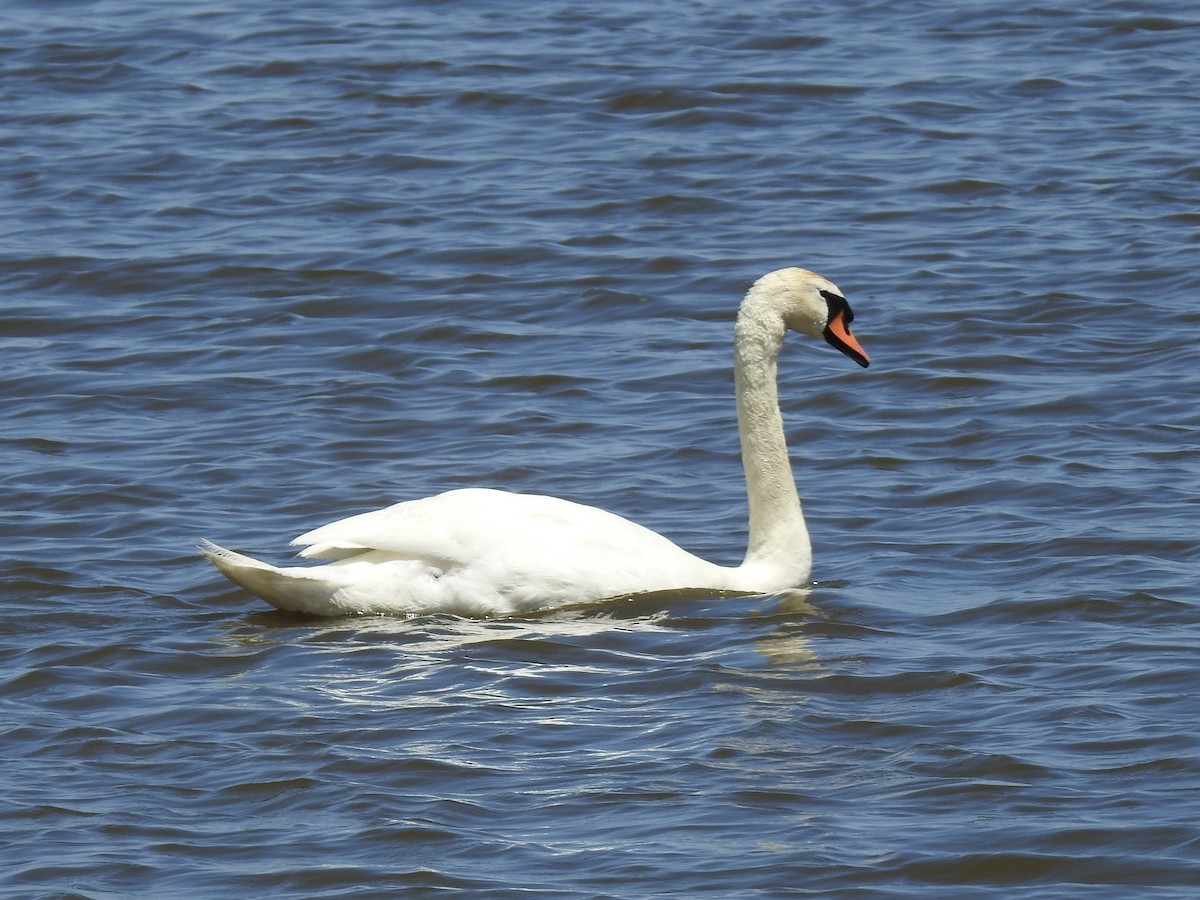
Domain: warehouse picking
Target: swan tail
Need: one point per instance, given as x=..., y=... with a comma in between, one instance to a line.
x=291, y=590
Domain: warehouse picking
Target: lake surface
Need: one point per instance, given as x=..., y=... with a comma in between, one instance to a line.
x=266, y=265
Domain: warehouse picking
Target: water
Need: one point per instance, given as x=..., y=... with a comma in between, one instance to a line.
x=265, y=266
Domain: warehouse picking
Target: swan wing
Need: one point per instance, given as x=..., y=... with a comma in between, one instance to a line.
x=457, y=527
x=432, y=528
x=523, y=545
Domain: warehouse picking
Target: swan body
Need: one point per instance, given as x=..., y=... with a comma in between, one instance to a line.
x=478, y=551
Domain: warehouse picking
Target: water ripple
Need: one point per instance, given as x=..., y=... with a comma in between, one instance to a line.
x=265, y=266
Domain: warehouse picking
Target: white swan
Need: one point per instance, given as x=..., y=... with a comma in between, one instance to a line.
x=487, y=552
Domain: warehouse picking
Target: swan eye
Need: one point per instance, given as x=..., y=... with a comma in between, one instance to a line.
x=837, y=303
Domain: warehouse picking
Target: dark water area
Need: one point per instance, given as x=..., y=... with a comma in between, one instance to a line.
x=266, y=265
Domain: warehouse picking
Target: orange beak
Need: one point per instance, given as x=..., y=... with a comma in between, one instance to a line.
x=837, y=333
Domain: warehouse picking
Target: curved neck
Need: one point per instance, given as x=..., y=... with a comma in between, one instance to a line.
x=779, y=548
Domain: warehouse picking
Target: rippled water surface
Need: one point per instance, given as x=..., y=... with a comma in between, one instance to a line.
x=265, y=265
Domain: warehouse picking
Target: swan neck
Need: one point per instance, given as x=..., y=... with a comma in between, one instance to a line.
x=778, y=540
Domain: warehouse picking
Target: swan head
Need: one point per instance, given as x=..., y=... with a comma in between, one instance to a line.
x=811, y=305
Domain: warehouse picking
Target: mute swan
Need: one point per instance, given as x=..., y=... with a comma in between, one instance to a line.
x=485, y=552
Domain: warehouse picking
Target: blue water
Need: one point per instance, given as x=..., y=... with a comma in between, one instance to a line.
x=264, y=266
